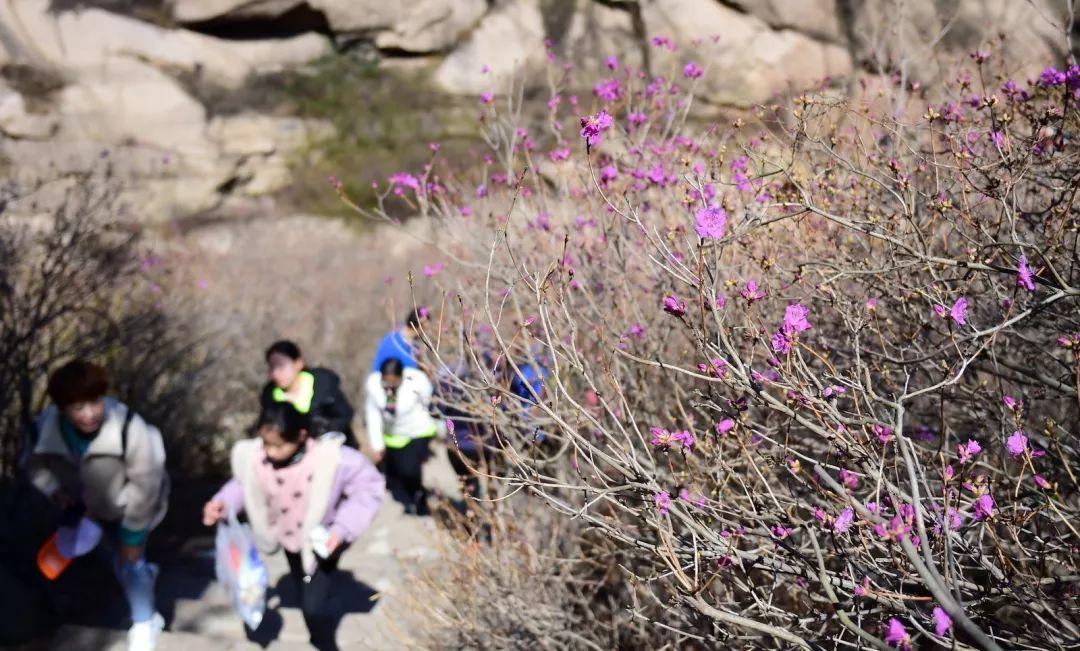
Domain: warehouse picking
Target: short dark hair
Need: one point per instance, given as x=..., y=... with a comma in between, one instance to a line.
x=77, y=381
x=284, y=347
x=283, y=418
x=413, y=318
x=392, y=367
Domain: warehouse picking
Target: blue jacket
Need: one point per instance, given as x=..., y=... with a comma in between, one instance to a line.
x=394, y=345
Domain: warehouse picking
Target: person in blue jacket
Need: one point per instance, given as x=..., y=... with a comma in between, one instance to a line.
x=400, y=343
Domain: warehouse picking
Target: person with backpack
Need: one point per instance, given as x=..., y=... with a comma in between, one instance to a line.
x=400, y=343
x=315, y=392
x=95, y=457
x=400, y=428
x=311, y=496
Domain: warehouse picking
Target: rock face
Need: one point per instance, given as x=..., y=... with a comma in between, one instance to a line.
x=122, y=85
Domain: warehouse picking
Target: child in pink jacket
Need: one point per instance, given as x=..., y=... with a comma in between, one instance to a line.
x=311, y=496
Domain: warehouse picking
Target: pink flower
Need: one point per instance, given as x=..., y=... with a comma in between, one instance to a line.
x=725, y=426
x=958, y=313
x=692, y=71
x=968, y=450
x=612, y=62
x=402, y=179
x=636, y=118
x=557, y=155
x=984, y=506
x=608, y=90
x=1041, y=482
x=594, y=125
x=661, y=437
x=896, y=635
x=849, y=479
x=431, y=270
x=1012, y=404
x=486, y=97
x=662, y=501
x=608, y=173
x=1024, y=276
x=948, y=473
x=751, y=293
x=1051, y=76
x=844, y=520
x=450, y=426
x=884, y=432
x=795, y=319
x=942, y=621
x=1017, y=444
x=709, y=222
x=673, y=306
x=894, y=530
x=780, y=532
x=685, y=438
x=781, y=344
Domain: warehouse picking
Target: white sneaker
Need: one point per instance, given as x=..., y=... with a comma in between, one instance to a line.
x=143, y=636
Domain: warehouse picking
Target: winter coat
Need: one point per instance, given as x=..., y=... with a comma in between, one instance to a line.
x=345, y=493
x=411, y=417
x=330, y=410
x=129, y=487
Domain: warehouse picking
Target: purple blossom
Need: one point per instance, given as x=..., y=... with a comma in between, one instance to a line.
x=1051, y=76
x=958, y=313
x=849, y=479
x=725, y=426
x=594, y=125
x=692, y=71
x=612, y=62
x=685, y=438
x=608, y=90
x=942, y=621
x=1024, y=276
x=673, y=306
x=780, y=532
x=751, y=292
x=608, y=173
x=984, y=506
x=795, y=319
x=781, y=344
x=432, y=269
x=710, y=222
x=403, y=179
x=486, y=97
x=896, y=635
x=844, y=520
x=1017, y=444
x=968, y=450
x=1041, y=482
x=662, y=501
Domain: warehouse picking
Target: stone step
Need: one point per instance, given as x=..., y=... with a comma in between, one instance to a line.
x=85, y=638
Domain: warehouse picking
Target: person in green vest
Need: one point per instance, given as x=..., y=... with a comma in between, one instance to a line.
x=315, y=392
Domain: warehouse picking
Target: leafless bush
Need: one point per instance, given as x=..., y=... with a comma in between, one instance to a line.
x=814, y=382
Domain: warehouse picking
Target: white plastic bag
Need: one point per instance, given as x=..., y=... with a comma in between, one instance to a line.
x=241, y=570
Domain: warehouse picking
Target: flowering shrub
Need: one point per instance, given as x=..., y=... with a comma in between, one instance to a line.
x=849, y=339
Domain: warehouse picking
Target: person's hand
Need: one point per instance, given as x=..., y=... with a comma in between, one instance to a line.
x=377, y=456
x=130, y=553
x=332, y=543
x=212, y=511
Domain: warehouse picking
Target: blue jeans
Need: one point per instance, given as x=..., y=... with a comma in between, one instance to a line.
x=137, y=579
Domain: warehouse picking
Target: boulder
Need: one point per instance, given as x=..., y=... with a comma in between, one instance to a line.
x=17, y=122
x=595, y=32
x=432, y=26
x=819, y=19
x=83, y=39
x=201, y=11
x=914, y=39
x=747, y=62
x=508, y=42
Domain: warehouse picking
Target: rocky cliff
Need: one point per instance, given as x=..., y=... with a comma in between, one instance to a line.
x=115, y=76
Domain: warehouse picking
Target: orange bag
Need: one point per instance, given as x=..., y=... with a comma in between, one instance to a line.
x=50, y=560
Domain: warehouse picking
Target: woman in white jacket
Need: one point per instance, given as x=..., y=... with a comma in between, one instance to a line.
x=400, y=427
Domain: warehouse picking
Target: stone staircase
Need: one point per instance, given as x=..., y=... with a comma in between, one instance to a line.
x=200, y=618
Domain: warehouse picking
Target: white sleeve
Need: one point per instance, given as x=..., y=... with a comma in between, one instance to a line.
x=373, y=420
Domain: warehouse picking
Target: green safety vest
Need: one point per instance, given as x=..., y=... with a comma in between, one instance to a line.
x=303, y=399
